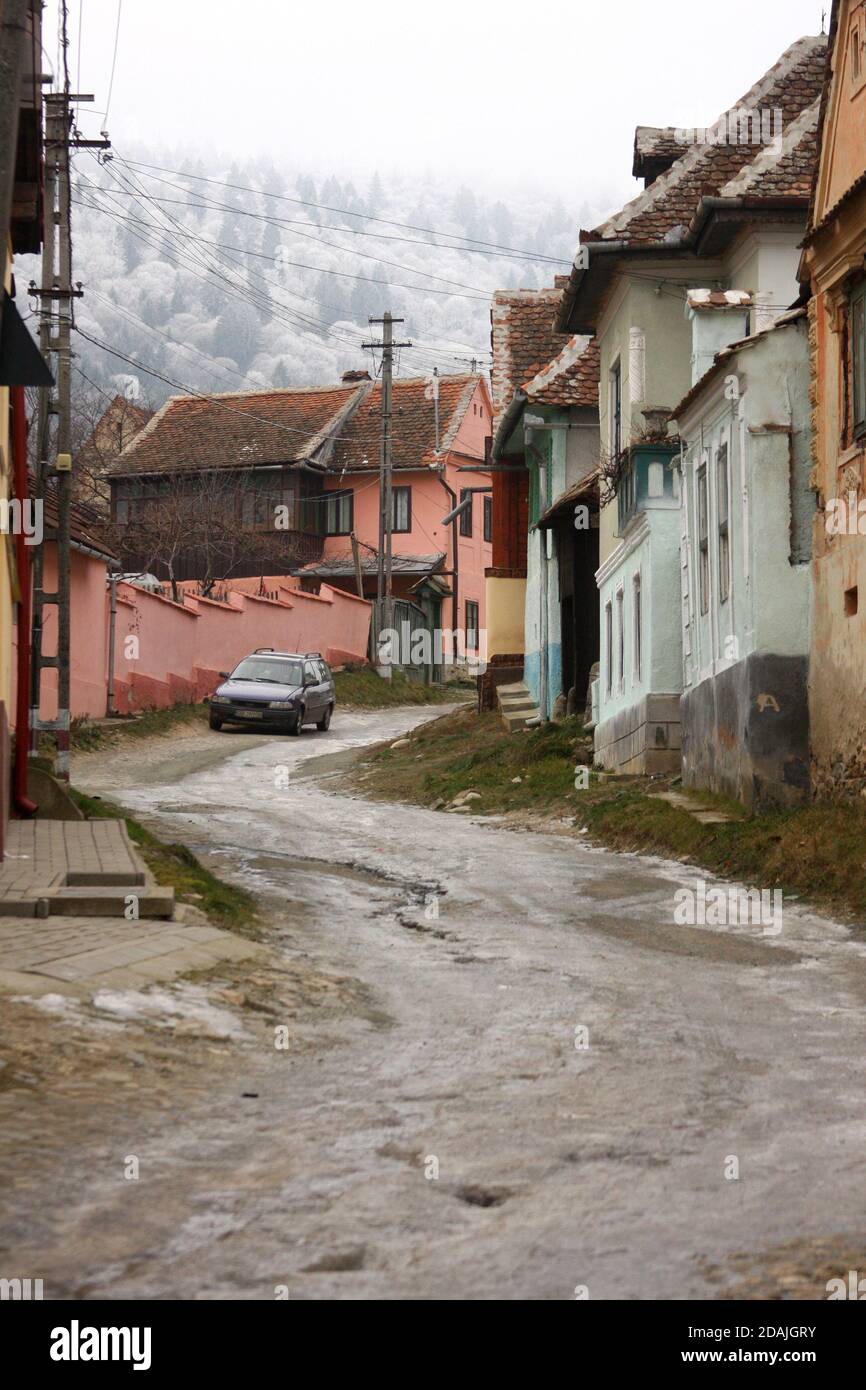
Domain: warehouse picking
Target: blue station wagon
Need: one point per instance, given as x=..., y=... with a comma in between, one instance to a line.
x=283, y=689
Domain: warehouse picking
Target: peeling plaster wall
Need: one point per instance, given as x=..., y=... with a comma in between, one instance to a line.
x=745, y=661
x=766, y=266
x=638, y=718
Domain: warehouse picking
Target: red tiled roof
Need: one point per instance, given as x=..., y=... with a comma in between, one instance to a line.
x=413, y=433
x=529, y=355
x=571, y=378
x=655, y=149
x=237, y=428
x=86, y=526
x=792, y=85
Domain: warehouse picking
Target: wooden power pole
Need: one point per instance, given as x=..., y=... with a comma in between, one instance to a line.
x=384, y=584
x=54, y=426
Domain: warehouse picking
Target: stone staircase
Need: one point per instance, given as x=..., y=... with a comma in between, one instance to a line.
x=516, y=705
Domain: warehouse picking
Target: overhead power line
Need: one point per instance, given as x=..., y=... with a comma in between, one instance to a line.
x=344, y=212
x=213, y=399
x=320, y=241
x=172, y=230
x=323, y=270
x=244, y=295
x=113, y=60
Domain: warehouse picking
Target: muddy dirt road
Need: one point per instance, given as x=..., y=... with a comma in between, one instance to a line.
x=539, y=1081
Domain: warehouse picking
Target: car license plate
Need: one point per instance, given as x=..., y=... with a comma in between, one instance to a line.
x=249, y=714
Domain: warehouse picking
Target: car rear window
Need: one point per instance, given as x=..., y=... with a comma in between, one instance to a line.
x=259, y=668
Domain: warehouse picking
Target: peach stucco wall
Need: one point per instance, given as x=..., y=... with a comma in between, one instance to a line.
x=167, y=652
x=89, y=634
x=430, y=502
x=180, y=651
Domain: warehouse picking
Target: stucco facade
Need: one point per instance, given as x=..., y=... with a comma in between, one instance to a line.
x=746, y=523
x=429, y=501
x=636, y=703
x=645, y=366
x=833, y=262
x=560, y=452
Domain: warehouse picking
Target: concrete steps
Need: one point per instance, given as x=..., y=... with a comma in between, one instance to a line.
x=112, y=900
x=516, y=705
x=65, y=868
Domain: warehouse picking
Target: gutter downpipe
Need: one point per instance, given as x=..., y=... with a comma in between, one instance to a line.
x=507, y=424
x=542, y=590
x=543, y=700
x=113, y=577
x=23, y=803
x=455, y=588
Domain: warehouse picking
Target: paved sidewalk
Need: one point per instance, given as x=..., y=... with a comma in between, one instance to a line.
x=76, y=868
x=76, y=955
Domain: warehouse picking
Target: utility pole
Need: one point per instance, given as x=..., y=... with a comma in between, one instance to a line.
x=54, y=446
x=384, y=586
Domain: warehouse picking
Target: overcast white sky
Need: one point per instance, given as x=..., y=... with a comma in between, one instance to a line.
x=543, y=93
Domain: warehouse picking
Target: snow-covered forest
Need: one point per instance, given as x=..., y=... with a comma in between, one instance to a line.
x=228, y=276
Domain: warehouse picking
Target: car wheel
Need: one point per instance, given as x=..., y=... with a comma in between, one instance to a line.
x=214, y=722
x=325, y=722
x=296, y=727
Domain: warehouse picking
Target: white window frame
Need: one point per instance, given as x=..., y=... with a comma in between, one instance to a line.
x=615, y=395
x=620, y=637
x=723, y=523
x=608, y=643
x=702, y=517
x=637, y=627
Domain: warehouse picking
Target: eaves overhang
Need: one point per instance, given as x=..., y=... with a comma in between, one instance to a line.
x=507, y=425
x=715, y=223
x=595, y=265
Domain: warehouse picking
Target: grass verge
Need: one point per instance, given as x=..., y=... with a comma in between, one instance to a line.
x=816, y=851
x=359, y=689
x=85, y=735
x=363, y=689
x=175, y=866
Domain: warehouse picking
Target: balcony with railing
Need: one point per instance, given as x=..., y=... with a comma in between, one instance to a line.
x=649, y=480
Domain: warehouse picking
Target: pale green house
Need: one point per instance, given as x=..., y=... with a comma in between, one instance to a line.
x=723, y=214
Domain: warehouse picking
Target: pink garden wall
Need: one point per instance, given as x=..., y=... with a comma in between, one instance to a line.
x=167, y=653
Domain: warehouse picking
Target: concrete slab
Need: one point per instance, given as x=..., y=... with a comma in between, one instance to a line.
x=92, y=953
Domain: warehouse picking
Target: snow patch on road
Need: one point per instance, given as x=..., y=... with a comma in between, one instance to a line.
x=183, y=1008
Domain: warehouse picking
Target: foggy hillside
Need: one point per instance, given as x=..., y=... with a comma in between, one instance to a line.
x=219, y=288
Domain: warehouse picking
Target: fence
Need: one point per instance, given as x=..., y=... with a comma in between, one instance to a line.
x=167, y=653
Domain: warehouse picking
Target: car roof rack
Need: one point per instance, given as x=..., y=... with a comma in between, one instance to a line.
x=312, y=654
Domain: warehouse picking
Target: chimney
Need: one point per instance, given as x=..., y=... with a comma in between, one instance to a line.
x=357, y=375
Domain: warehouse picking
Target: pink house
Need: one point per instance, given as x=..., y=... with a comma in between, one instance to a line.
x=438, y=455
x=257, y=484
